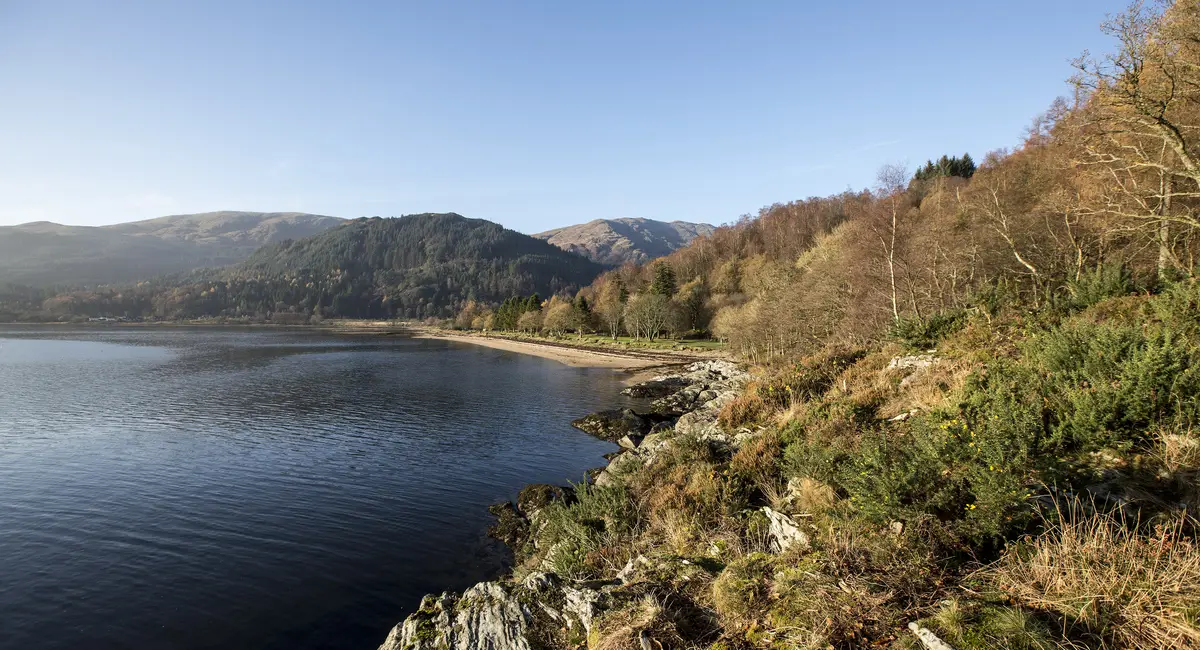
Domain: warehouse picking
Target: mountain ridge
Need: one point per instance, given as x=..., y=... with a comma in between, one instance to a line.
x=47, y=253
x=625, y=239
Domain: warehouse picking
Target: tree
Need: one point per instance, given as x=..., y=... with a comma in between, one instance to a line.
x=582, y=318
x=559, y=316
x=647, y=313
x=963, y=167
x=1137, y=125
x=689, y=305
x=610, y=305
x=467, y=315
x=530, y=321
x=664, y=280
x=887, y=225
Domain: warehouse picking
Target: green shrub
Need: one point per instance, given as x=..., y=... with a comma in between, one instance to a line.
x=1107, y=386
x=924, y=333
x=1177, y=309
x=599, y=517
x=944, y=469
x=971, y=467
x=1101, y=283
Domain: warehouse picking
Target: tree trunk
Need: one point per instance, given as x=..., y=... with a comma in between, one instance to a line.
x=1164, y=229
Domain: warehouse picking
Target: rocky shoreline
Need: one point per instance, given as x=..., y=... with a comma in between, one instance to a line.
x=543, y=609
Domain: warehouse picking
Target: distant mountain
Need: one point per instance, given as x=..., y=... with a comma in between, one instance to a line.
x=629, y=239
x=44, y=253
x=413, y=266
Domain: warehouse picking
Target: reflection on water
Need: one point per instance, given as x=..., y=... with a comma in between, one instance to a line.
x=226, y=489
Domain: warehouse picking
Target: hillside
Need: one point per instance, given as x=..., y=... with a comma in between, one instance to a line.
x=413, y=266
x=43, y=253
x=617, y=241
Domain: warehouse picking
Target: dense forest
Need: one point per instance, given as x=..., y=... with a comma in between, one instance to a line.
x=974, y=399
x=418, y=266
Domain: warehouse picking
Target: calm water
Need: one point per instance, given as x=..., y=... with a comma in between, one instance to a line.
x=227, y=489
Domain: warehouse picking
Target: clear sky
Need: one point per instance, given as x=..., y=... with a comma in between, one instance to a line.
x=532, y=114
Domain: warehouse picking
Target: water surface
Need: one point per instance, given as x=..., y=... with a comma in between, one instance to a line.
x=191, y=488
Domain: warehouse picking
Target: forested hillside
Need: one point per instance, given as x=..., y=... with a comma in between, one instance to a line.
x=417, y=266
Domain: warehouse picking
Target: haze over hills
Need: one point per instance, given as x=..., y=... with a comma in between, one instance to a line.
x=44, y=253
x=628, y=239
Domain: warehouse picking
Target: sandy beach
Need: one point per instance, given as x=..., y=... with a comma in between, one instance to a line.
x=566, y=354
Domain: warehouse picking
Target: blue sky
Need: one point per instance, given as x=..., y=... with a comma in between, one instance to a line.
x=532, y=114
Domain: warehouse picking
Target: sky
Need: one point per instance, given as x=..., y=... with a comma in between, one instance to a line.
x=532, y=114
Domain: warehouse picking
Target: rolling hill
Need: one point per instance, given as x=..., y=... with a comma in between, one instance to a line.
x=631, y=239
x=413, y=266
x=44, y=253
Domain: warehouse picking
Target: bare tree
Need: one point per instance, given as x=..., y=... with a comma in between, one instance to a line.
x=890, y=184
x=647, y=313
x=1140, y=123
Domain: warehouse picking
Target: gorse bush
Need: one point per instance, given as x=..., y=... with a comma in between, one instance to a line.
x=577, y=532
x=924, y=333
x=1106, y=386
x=1099, y=284
x=946, y=469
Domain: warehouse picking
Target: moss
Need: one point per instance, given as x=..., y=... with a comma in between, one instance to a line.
x=740, y=592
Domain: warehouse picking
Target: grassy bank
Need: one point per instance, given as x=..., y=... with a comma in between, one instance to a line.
x=1025, y=479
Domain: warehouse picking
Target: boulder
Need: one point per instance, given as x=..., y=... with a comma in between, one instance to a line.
x=511, y=527
x=613, y=425
x=657, y=387
x=783, y=531
x=631, y=441
x=533, y=498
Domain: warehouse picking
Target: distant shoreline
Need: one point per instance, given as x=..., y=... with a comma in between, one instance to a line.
x=581, y=357
x=639, y=362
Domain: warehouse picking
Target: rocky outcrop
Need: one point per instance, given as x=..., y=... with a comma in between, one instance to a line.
x=544, y=610
x=540, y=611
x=706, y=387
x=514, y=520
x=617, y=423
x=657, y=387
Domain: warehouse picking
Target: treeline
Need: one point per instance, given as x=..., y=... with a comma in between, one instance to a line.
x=1104, y=187
x=662, y=308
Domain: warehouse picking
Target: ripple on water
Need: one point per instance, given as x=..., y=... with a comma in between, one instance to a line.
x=223, y=489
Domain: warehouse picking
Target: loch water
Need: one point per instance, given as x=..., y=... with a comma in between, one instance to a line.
x=187, y=488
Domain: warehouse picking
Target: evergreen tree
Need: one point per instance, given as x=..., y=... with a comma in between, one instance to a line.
x=664, y=280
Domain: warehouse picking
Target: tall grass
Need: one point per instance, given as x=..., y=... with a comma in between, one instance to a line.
x=1131, y=589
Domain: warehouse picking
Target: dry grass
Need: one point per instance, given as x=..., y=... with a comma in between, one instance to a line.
x=1180, y=450
x=810, y=496
x=927, y=388
x=747, y=408
x=1138, y=591
x=646, y=621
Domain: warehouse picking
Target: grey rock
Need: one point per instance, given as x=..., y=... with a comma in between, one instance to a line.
x=657, y=387
x=499, y=616
x=928, y=638
x=912, y=362
x=783, y=531
x=613, y=425
x=631, y=441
